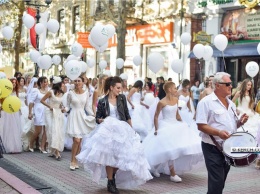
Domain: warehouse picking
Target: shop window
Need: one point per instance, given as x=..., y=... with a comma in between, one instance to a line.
x=75, y=20
x=103, y=56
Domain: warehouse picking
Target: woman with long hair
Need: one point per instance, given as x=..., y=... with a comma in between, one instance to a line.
x=79, y=124
x=38, y=114
x=173, y=148
x=114, y=150
x=54, y=117
x=141, y=120
x=11, y=126
x=245, y=104
x=99, y=92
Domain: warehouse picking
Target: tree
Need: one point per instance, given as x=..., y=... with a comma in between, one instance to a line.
x=13, y=13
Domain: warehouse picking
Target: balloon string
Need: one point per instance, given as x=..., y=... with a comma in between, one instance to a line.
x=225, y=67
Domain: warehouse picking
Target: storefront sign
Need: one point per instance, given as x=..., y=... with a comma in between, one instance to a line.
x=240, y=25
x=202, y=38
x=142, y=34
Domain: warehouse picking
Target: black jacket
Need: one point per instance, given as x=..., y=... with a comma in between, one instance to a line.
x=103, y=109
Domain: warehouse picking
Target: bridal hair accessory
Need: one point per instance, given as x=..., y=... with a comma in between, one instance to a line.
x=56, y=80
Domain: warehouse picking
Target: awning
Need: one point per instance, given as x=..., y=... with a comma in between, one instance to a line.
x=236, y=50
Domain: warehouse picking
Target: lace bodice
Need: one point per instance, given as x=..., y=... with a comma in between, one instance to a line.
x=136, y=97
x=125, y=93
x=77, y=101
x=169, y=112
x=22, y=97
x=113, y=111
x=55, y=101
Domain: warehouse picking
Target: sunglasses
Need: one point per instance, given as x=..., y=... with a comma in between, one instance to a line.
x=77, y=80
x=226, y=83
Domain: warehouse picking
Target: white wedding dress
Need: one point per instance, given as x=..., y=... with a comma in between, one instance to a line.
x=252, y=124
x=114, y=143
x=175, y=144
x=140, y=116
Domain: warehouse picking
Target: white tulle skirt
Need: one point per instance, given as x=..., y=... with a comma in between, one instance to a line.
x=114, y=143
x=252, y=123
x=141, y=120
x=175, y=144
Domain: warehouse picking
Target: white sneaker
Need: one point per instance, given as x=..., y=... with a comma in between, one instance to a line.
x=156, y=174
x=175, y=179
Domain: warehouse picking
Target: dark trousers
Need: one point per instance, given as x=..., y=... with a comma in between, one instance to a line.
x=217, y=168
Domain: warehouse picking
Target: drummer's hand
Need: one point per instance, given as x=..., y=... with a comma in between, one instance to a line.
x=223, y=134
x=243, y=118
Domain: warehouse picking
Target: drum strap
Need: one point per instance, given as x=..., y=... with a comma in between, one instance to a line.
x=216, y=144
x=220, y=149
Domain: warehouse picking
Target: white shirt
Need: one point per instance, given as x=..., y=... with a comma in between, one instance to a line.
x=212, y=112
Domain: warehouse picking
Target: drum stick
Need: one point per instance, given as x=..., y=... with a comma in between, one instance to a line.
x=238, y=119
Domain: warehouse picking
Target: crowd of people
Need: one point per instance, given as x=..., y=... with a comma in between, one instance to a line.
x=127, y=134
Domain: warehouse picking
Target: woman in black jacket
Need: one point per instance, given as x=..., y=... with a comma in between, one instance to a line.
x=114, y=149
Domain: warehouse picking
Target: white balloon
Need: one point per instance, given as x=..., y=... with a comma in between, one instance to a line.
x=103, y=47
x=258, y=48
x=1, y=48
x=71, y=57
x=45, y=62
x=76, y=49
x=198, y=50
x=208, y=52
x=28, y=21
x=221, y=42
x=2, y=75
x=91, y=42
x=99, y=35
x=39, y=28
x=110, y=30
x=34, y=55
x=120, y=63
x=185, y=38
x=252, y=69
x=56, y=59
x=84, y=66
x=155, y=62
x=91, y=63
x=124, y=76
x=73, y=69
x=149, y=99
x=107, y=72
x=177, y=65
x=137, y=60
x=53, y=25
x=102, y=64
x=8, y=32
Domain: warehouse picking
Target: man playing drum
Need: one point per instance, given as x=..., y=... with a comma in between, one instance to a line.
x=216, y=116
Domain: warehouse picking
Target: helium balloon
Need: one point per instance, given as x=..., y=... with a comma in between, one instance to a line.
x=39, y=28
x=198, y=50
x=185, y=38
x=56, y=59
x=8, y=32
x=102, y=64
x=221, y=42
x=73, y=69
x=2, y=75
x=99, y=35
x=28, y=21
x=252, y=69
x=123, y=76
x=155, y=62
x=84, y=66
x=177, y=65
x=91, y=63
x=53, y=25
x=6, y=87
x=11, y=104
x=34, y=55
x=120, y=63
x=137, y=60
x=76, y=49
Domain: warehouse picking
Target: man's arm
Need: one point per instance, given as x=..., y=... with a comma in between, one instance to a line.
x=212, y=131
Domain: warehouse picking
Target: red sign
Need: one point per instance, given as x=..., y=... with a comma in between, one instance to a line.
x=143, y=34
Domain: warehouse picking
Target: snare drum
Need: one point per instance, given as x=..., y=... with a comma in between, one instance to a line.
x=239, y=139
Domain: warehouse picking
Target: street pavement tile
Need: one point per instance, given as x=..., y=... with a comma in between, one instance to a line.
x=57, y=173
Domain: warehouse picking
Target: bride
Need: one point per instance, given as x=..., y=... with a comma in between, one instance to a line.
x=245, y=99
x=174, y=148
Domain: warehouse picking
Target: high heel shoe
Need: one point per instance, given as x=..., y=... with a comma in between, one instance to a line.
x=72, y=167
x=42, y=151
x=58, y=157
x=31, y=149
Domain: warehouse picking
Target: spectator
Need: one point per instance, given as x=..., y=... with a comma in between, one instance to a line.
x=195, y=93
x=161, y=93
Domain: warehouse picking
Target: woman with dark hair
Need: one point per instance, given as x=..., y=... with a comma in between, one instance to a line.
x=141, y=121
x=113, y=149
x=54, y=117
x=79, y=124
x=245, y=98
x=10, y=130
x=35, y=97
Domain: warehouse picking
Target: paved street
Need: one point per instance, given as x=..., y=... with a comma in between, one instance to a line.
x=59, y=179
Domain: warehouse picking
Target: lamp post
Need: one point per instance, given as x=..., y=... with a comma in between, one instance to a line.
x=38, y=16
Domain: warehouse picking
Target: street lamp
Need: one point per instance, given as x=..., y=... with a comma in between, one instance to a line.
x=38, y=16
